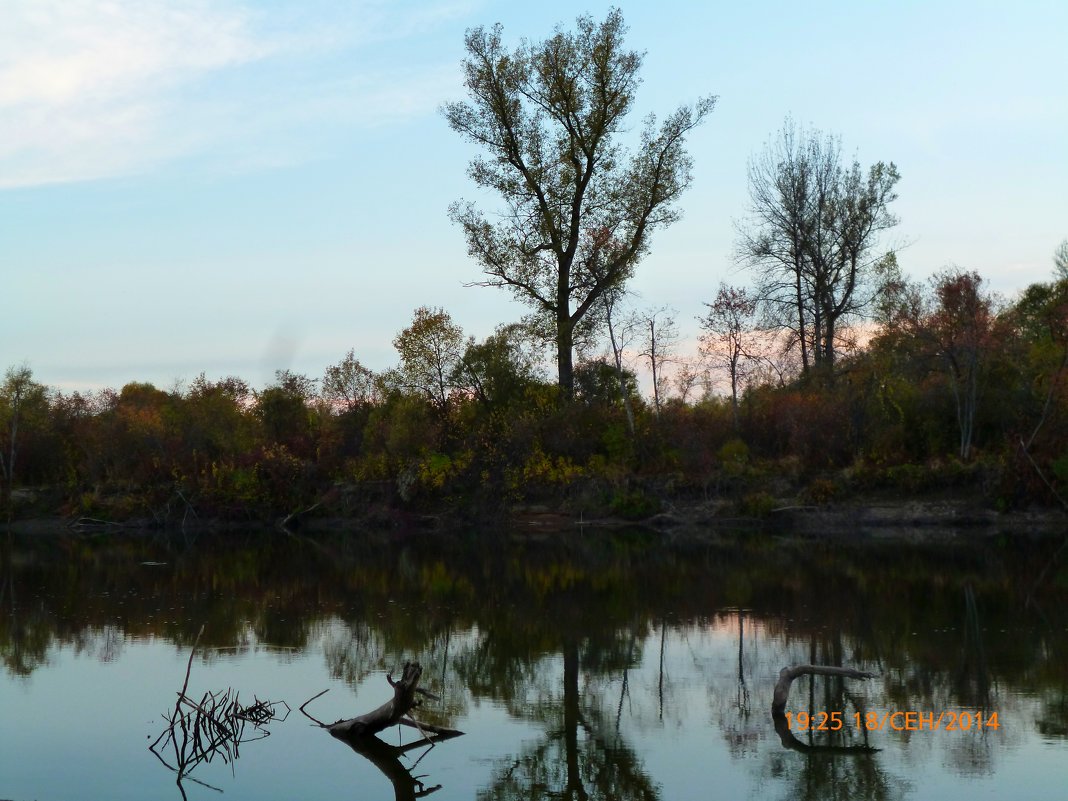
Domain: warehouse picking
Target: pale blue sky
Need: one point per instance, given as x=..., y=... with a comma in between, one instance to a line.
x=236, y=187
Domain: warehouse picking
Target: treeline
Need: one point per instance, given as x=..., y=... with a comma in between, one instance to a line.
x=840, y=375
x=950, y=389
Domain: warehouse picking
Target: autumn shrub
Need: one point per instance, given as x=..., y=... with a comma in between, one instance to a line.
x=757, y=504
x=822, y=491
x=286, y=482
x=710, y=426
x=542, y=471
x=734, y=456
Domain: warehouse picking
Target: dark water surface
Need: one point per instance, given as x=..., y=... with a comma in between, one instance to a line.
x=580, y=667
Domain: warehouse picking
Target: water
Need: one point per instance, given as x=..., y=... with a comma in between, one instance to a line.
x=602, y=667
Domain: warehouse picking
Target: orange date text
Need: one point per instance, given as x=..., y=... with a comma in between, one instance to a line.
x=898, y=720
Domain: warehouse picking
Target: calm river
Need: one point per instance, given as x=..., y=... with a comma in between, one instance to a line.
x=604, y=666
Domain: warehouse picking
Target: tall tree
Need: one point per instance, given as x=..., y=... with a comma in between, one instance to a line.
x=547, y=116
x=813, y=233
x=961, y=325
x=17, y=392
x=283, y=408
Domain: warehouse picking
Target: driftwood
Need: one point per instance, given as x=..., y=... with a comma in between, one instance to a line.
x=359, y=733
x=396, y=711
x=788, y=674
x=294, y=518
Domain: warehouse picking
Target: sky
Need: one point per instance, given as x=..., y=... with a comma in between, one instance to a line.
x=236, y=187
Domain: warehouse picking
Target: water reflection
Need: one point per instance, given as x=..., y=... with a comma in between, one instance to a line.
x=615, y=650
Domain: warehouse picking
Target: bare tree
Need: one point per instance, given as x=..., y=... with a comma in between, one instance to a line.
x=688, y=377
x=548, y=115
x=726, y=342
x=1060, y=261
x=814, y=226
x=620, y=332
x=348, y=385
x=660, y=336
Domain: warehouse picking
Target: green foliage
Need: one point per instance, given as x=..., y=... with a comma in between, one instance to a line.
x=229, y=490
x=500, y=370
x=437, y=470
x=547, y=117
x=597, y=383
x=430, y=351
x=283, y=410
x=634, y=504
x=1060, y=469
x=349, y=386
x=542, y=470
x=908, y=477
x=734, y=455
x=501, y=435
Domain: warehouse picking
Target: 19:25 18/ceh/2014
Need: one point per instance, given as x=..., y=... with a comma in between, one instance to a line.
x=947, y=720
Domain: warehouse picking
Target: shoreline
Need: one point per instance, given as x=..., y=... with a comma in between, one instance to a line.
x=882, y=519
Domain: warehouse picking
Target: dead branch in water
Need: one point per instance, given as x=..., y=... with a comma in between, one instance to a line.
x=214, y=726
x=394, y=712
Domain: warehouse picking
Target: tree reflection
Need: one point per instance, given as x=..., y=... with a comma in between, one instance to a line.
x=569, y=633
x=819, y=775
x=577, y=759
x=25, y=633
x=387, y=758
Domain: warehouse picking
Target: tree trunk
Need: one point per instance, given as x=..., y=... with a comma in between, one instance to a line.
x=802, y=334
x=565, y=341
x=617, y=354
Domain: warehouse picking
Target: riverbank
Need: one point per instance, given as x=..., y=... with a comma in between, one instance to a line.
x=909, y=518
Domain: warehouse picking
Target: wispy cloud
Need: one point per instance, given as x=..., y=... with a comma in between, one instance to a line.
x=84, y=83
x=98, y=88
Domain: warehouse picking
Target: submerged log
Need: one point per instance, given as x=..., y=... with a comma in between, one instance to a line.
x=788, y=674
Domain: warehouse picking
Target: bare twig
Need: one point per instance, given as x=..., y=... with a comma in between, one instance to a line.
x=214, y=726
x=308, y=715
